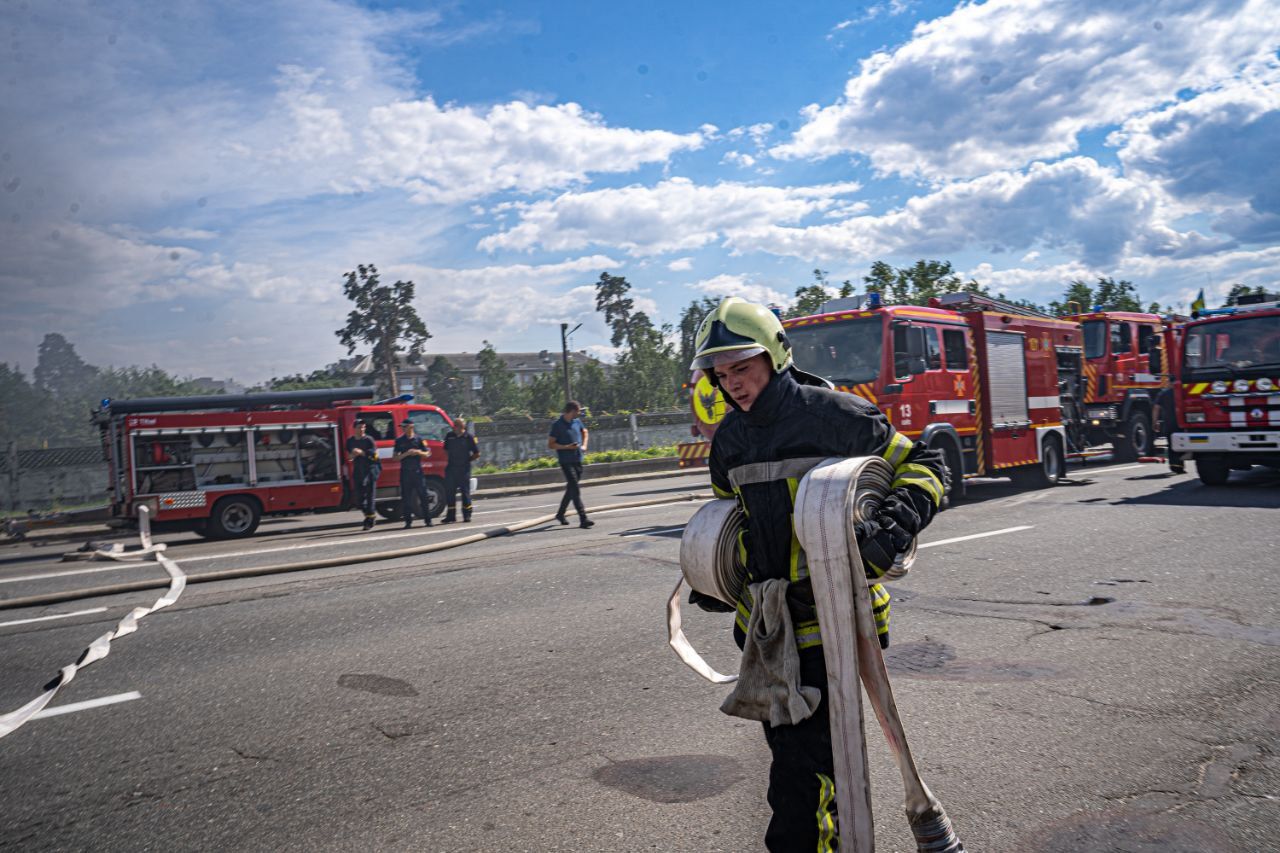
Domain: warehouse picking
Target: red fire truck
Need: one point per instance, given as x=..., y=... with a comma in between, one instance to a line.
x=1228, y=396
x=217, y=464
x=1123, y=375
x=984, y=381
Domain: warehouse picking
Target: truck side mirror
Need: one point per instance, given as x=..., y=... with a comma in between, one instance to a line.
x=1154, y=361
x=916, y=365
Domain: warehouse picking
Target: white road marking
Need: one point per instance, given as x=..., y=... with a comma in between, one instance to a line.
x=976, y=536
x=54, y=616
x=1106, y=470
x=654, y=532
x=87, y=704
x=114, y=567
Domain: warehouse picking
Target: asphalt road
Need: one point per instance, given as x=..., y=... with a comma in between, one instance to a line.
x=1098, y=673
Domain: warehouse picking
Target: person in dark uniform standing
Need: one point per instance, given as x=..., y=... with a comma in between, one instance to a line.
x=410, y=451
x=365, y=469
x=461, y=449
x=568, y=438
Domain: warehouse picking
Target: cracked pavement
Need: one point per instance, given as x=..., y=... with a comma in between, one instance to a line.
x=1104, y=680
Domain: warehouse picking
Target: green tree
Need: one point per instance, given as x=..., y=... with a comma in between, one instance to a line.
x=444, y=384
x=60, y=370
x=591, y=386
x=1115, y=295
x=645, y=377
x=498, y=389
x=25, y=411
x=324, y=378
x=546, y=394
x=385, y=318
x=617, y=306
x=1077, y=292
x=918, y=283
x=809, y=300
x=690, y=320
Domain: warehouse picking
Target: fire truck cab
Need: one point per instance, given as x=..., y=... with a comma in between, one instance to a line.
x=1228, y=396
x=217, y=464
x=1124, y=372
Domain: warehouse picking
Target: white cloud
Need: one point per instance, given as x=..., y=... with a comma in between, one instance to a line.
x=1168, y=280
x=1073, y=205
x=451, y=154
x=1216, y=151
x=998, y=84
x=681, y=265
x=737, y=158
x=743, y=286
x=673, y=215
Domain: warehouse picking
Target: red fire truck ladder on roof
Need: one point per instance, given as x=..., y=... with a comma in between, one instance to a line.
x=976, y=302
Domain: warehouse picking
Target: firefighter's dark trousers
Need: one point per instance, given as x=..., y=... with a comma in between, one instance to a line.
x=456, y=480
x=802, y=792
x=572, y=474
x=366, y=483
x=413, y=492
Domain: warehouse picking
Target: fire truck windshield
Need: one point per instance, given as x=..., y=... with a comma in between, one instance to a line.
x=846, y=352
x=1095, y=338
x=1236, y=344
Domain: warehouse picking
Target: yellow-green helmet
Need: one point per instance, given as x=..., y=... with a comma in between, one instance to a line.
x=738, y=330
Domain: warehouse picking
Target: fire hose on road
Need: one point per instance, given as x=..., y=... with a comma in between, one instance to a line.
x=831, y=498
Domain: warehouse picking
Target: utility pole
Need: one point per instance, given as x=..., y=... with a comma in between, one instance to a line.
x=565, y=332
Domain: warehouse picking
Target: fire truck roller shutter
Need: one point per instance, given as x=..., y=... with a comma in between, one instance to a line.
x=1008, y=370
x=943, y=436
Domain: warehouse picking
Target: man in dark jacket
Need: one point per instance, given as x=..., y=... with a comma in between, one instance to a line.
x=782, y=422
x=410, y=451
x=365, y=469
x=461, y=449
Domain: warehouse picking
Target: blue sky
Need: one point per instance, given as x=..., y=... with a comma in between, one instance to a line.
x=188, y=187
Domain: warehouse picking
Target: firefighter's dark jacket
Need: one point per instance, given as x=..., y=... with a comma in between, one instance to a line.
x=803, y=423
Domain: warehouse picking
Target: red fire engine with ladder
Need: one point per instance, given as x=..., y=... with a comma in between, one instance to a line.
x=217, y=464
x=1228, y=397
x=993, y=386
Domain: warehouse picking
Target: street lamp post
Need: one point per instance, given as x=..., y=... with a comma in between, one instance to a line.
x=565, y=332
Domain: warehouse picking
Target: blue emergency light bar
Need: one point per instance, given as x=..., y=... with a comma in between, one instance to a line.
x=391, y=401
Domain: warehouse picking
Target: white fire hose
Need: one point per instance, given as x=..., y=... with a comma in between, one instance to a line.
x=100, y=647
x=831, y=498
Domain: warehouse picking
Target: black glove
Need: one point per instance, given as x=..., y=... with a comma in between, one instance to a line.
x=709, y=604
x=878, y=546
x=898, y=510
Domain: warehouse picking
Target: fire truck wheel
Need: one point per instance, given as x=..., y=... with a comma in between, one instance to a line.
x=1137, y=440
x=1047, y=472
x=233, y=517
x=435, y=496
x=1213, y=470
x=390, y=510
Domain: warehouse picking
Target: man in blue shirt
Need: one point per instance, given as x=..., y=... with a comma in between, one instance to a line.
x=568, y=438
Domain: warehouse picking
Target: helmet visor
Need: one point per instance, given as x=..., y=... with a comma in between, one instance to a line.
x=709, y=360
x=722, y=340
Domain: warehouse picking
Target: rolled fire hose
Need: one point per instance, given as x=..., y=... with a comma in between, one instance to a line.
x=100, y=647
x=830, y=500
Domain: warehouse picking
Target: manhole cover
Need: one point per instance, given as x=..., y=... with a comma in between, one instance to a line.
x=671, y=778
x=1119, y=832
x=925, y=656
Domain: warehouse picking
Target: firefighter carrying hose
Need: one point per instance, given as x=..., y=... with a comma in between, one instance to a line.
x=782, y=419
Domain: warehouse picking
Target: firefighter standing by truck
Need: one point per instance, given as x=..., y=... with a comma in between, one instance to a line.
x=365, y=469
x=780, y=426
x=461, y=449
x=410, y=451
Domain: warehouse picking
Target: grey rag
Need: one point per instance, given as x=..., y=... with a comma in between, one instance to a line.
x=768, y=687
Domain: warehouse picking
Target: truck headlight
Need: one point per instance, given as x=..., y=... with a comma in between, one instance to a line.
x=1195, y=417
x=1265, y=384
x=1241, y=386
x=1218, y=387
